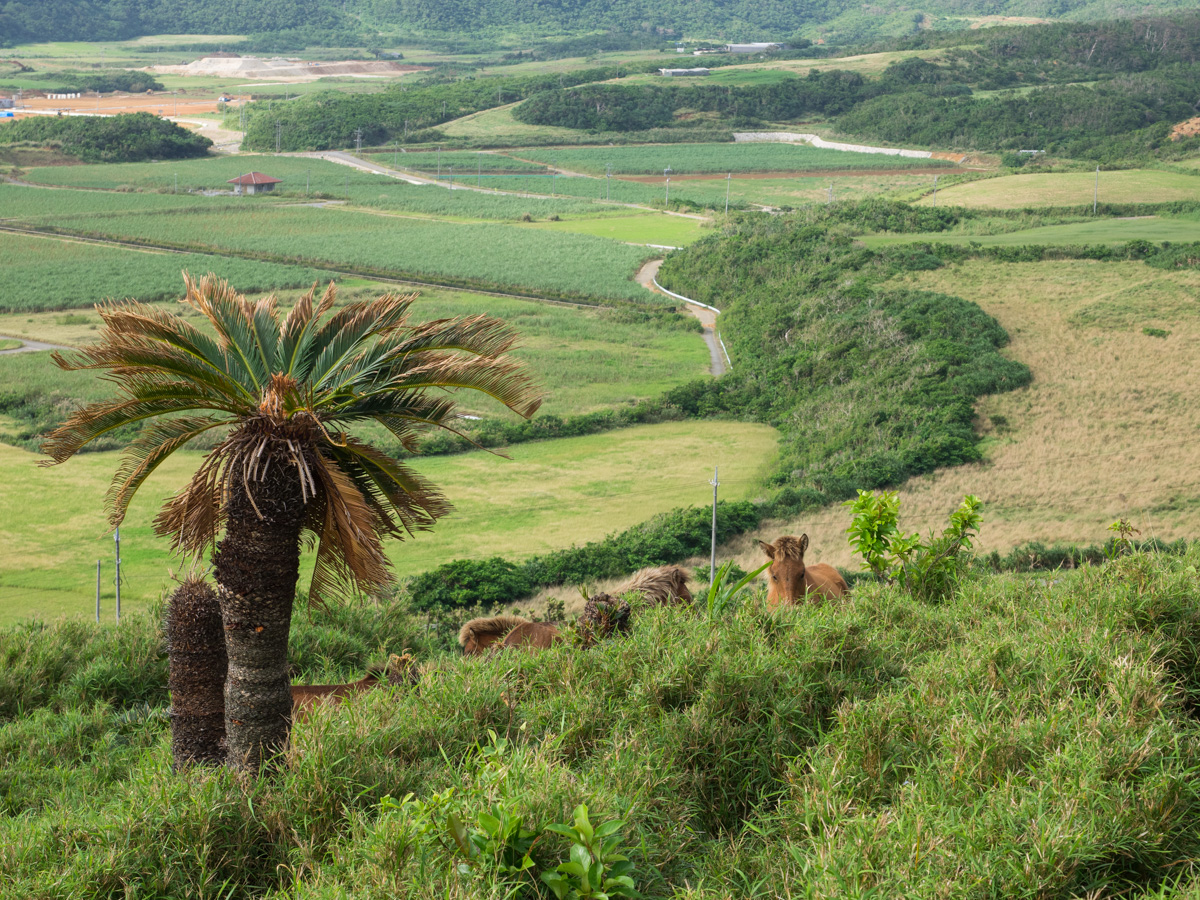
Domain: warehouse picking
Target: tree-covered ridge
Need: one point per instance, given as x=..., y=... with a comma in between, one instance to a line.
x=124, y=138
x=24, y=21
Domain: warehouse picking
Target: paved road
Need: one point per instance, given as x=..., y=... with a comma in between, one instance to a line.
x=28, y=346
x=708, y=318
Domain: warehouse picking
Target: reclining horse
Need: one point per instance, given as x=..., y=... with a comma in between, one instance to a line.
x=399, y=670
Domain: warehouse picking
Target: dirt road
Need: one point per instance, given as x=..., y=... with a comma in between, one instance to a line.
x=708, y=318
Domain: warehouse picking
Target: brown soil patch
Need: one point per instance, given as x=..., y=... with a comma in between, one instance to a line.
x=158, y=104
x=822, y=173
x=1186, y=129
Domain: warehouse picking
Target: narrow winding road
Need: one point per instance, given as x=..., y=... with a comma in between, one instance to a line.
x=708, y=318
x=28, y=346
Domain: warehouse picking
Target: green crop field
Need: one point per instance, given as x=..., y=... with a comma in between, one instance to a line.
x=716, y=158
x=1176, y=229
x=643, y=228
x=17, y=202
x=490, y=256
x=1072, y=189
x=549, y=495
x=498, y=128
x=44, y=273
x=465, y=163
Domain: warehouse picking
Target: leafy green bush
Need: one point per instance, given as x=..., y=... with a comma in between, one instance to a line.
x=123, y=138
x=927, y=570
x=487, y=582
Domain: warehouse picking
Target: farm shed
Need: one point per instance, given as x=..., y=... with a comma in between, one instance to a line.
x=254, y=183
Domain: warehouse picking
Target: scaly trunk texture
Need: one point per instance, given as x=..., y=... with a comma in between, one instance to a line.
x=257, y=566
x=196, y=647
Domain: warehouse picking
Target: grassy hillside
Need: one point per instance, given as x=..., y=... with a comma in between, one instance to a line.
x=1025, y=739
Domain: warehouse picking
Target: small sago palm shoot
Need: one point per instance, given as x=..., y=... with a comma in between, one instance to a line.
x=287, y=391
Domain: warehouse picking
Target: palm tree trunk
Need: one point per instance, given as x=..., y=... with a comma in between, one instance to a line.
x=257, y=566
x=196, y=647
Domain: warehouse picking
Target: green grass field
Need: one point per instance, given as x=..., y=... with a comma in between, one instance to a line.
x=716, y=158
x=549, y=495
x=643, y=228
x=499, y=128
x=1071, y=189
x=1176, y=229
x=47, y=273
x=10, y=344
x=490, y=256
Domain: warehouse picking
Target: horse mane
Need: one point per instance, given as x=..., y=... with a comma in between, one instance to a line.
x=790, y=547
x=661, y=585
x=493, y=627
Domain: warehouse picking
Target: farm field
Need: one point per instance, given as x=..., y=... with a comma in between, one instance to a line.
x=643, y=228
x=551, y=494
x=1106, y=429
x=687, y=159
x=498, y=128
x=490, y=256
x=586, y=359
x=1070, y=189
x=48, y=273
x=31, y=203
x=1101, y=231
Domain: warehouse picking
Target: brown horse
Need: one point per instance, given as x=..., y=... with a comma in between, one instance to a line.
x=791, y=581
x=503, y=632
x=659, y=586
x=399, y=670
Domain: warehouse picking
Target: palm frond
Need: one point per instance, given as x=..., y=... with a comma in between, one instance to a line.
x=233, y=319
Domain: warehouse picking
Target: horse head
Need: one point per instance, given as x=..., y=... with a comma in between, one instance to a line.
x=786, y=574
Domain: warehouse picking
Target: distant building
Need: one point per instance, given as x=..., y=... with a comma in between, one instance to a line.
x=680, y=73
x=7, y=103
x=254, y=183
x=754, y=48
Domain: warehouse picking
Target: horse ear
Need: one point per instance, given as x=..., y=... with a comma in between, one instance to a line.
x=768, y=549
x=803, y=543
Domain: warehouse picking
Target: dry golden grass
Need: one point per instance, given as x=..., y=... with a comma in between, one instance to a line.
x=1107, y=429
x=1070, y=189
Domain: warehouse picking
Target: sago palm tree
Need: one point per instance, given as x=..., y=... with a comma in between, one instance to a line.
x=285, y=395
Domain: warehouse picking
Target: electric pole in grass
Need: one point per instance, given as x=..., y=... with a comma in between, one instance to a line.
x=439, y=162
x=278, y=135
x=358, y=141
x=935, y=178
x=830, y=200
x=1096, y=192
x=667, y=195
x=478, y=170
x=97, y=592
x=608, y=181
x=712, y=559
x=117, y=538
x=728, y=180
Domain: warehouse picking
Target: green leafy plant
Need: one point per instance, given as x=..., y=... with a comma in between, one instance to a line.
x=596, y=870
x=497, y=841
x=1121, y=543
x=928, y=570
x=721, y=596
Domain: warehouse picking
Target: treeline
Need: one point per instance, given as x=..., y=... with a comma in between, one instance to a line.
x=616, y=107
x=329, y=119
x=24, y=21
x=103, y=82
x=125, y=138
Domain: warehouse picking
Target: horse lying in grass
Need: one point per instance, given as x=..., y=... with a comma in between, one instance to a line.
x=602, y=616
x=658, y=586
x=791, y=581
x=399, y=670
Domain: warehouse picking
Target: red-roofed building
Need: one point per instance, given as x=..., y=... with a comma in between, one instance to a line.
x=254, y=183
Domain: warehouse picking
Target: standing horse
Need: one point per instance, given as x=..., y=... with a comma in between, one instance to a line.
x=791, y=581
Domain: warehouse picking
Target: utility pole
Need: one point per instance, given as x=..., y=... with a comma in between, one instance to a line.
x=935, y=178
x=176, y=182
x=97, y=592
x=117, y=538
x=712, y=559
x=1096, y=192
x=347, y=187
x=553, y=176
x=667, y=196
x=830, y=200
x=278, y=135
x=358, y=141
x=608, y=182
x=307, y=181
x=439, y=162
x=728, y=179
x=452, y=178
x=478, y=170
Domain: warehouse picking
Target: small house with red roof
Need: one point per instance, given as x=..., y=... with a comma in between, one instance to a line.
x=254, y=183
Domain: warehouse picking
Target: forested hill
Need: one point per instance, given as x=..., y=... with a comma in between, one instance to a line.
x=107, y=20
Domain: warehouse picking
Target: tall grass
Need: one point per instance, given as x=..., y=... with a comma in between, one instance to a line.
x=1025, y=739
